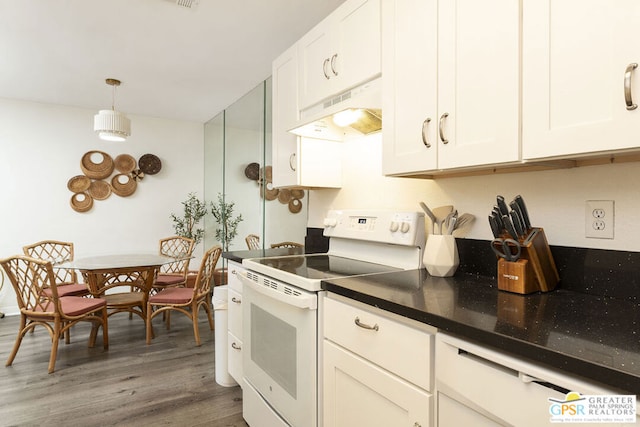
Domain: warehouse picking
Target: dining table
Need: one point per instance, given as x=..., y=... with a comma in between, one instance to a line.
x=124, y=280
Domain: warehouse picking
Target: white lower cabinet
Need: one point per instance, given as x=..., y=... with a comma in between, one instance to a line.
x=376, y=369
x=234, y=342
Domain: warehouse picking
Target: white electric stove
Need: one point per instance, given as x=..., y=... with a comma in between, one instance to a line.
x=280, y=308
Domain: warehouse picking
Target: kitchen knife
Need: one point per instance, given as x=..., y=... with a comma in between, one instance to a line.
x=506, y=220
x=517, y=223
x=496, y=213
x=523, y=209
x=495, y=229
x=515, y=207
x=502, y=205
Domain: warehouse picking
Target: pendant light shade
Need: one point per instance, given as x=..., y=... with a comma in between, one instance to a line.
x=112, y=125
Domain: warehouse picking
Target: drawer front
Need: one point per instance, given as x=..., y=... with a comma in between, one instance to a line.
x=394, y=346
x=234, y=281
x=235, y=357
x=235, y=313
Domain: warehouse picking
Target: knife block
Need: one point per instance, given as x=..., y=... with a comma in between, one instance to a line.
x=539, y=273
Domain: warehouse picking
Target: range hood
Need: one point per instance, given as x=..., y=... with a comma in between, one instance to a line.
x=353, y=113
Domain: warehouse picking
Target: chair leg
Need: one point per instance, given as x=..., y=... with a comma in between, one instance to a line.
x=194, y=319
x=148, y=323
x=16, y=345
x=57, y=326
x=207, y=308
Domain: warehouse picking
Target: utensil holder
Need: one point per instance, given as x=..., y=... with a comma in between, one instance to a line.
x=441, y=255
x=539, y=273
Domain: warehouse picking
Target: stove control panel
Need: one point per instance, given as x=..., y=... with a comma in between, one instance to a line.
x=383, y=226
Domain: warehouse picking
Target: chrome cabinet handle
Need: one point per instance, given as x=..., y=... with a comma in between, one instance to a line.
x=424, y=132
x=234, y=272
x=627, y=86
x=333, y=64
x=236, y=300
x=365, y=326
x=324, y=69
x=441, y=128
x=235, y=346
x=292, y=158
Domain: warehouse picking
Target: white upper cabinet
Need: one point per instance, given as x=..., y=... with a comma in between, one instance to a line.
x=578, y=77
x=341, y=52
x=296, y=161
x=451, y=84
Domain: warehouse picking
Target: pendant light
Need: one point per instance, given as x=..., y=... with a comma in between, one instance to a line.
x=112, y=125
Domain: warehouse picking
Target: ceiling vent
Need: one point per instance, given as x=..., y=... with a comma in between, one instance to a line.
x=189, y=4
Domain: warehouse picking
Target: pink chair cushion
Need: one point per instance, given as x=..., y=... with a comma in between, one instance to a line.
x=75, y=306
x=168, y=279
x=173, y=296
x=74, y=289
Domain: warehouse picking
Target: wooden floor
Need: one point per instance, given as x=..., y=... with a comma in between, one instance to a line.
x=167, y=383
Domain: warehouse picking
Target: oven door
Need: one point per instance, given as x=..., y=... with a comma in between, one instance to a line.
x=279, y=356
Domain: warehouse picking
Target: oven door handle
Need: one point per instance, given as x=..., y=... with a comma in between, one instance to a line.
x=306, y=300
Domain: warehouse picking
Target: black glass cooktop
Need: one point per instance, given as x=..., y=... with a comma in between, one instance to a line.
x=322, y=266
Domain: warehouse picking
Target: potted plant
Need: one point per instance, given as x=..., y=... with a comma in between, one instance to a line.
x=187, y=224
x=226, y=230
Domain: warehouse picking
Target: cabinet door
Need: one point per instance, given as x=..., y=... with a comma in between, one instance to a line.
x=410, y=86
x=356, y=35
x=358, y=393
x=284, y=116
x=575, y=54
x=315, y=52
x=478, y=82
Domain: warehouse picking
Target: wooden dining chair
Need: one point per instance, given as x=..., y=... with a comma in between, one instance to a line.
x=187, y=300
x=36, y=290
x=253, y=241
x=287, y=245
x=58, y=252
x=175, y=273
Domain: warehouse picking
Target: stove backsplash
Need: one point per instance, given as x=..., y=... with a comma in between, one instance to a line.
x=593, y=271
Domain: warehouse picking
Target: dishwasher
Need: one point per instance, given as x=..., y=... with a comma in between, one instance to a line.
x=479, y=386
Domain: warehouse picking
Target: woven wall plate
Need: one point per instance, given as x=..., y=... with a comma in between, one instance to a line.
x=125, y=163
x=99, y=170
x=252, y=171
x=79, y=183
x=137, y=175
x=99, y=190
x=149, y=164
x=81, y=202
x=295, y=205
x=268, y=174
x=284, y=196
x=297, y=194
x=270, y=193
x=123, y=185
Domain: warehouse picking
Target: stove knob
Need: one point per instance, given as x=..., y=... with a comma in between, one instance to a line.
x=405, y=227
x=330, y=222
x=394, y=226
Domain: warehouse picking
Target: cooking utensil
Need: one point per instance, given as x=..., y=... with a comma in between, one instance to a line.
x=509, y=249
x=523, y=209
x=496, y=213
x=515, y=207
x=431, y=216
x=463, y=225
x=450, y=222
x=502, y=205
x=441, y=213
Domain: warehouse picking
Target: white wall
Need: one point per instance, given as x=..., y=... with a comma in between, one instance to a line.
x=40, y=150
x=555, y=199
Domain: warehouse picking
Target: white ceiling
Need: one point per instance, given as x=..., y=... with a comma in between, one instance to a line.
x=174, y=62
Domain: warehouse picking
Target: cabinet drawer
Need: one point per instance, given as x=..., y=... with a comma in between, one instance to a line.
x=234, y=281
x=235, y=313
x=235, y=357
x=397, y=347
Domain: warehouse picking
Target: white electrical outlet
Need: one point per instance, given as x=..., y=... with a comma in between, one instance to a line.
x=599, y=219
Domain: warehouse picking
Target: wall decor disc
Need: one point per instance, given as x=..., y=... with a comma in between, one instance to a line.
x=252, y=171
x=149, y=164
x=125, y=163
x=96, y=164
x=79, y=183
x=81, y=202
x=297, y=194
x=99, y=190
x=123, y=185
x=295, y=205
x=137, y=175
x=284, y=196
x=270, y=193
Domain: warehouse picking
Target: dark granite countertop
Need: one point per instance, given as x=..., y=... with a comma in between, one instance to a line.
x=586, y=335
